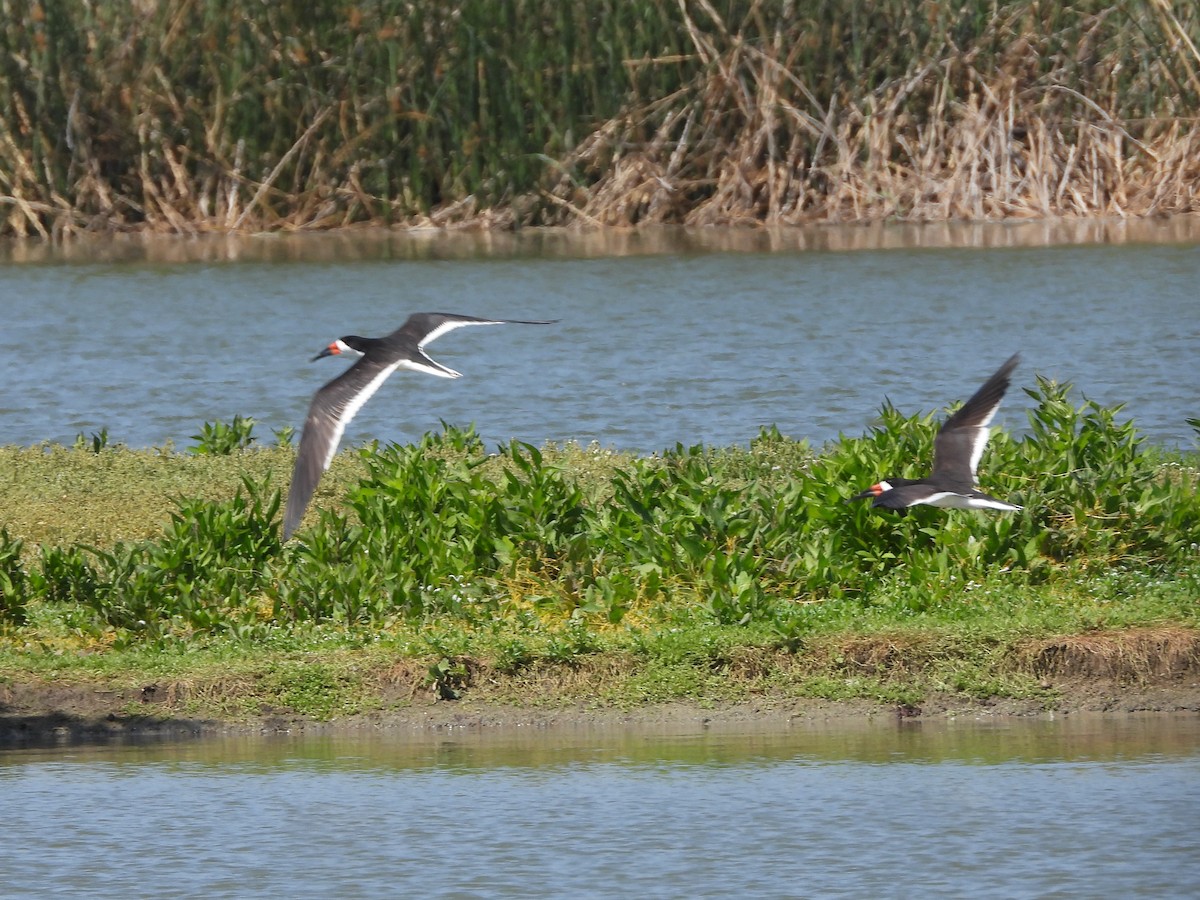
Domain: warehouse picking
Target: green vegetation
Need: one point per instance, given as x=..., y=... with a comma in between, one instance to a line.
x=188, y=117
x=221, y=439
x=698, y=573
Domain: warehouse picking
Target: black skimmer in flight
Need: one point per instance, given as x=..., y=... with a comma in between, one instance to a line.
x=334, y=405
x=956, y=452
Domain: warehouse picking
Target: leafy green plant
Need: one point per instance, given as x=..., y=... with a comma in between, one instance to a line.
x=13, y=581
x=222, y=439
x=97, y=442
x=203, y=572
x=65, y=575
x=443, y=531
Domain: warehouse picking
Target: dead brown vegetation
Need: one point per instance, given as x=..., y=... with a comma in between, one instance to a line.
x=748, y=142
x=1137, y=655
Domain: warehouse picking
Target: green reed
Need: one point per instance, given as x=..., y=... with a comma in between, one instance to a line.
x=184, y=116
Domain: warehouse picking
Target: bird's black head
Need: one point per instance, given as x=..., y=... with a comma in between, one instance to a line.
x=873, y=491
x=348, y=345
x=877, y=490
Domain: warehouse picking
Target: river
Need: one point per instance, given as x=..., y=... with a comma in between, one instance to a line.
x=1081, y=806
x=665, y=337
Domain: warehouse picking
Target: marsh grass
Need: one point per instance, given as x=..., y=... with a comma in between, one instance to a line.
x=183, y=117
x=915, y=112
x=60, y=496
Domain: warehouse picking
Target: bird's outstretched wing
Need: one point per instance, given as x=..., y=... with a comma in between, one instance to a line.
x=425, y=328
x=331, y=410
x=959, y=444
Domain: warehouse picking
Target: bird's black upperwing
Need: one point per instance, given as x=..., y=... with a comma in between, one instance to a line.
x=960, y=441
x=423, y=328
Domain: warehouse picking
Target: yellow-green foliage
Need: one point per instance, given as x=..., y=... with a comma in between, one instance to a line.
x=151, y=544
x=59, y=495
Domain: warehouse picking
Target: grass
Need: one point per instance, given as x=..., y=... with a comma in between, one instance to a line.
x=325, y=673
x=189, y=118
x=569, y=574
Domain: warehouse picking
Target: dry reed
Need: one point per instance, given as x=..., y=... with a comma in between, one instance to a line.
x=750, y=142
x=179, y=117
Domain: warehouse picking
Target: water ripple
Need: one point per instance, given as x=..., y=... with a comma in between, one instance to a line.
x=652, y=350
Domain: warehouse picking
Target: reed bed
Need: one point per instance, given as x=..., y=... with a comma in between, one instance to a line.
x=183, y=117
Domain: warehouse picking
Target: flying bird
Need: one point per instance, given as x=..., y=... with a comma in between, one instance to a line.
x=335, y=404
x=956, y=452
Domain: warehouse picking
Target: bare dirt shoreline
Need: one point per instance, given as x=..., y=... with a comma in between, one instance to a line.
x=1143, y=670
x=48, y=715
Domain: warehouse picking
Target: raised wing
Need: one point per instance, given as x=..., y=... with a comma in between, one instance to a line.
x=959, y=444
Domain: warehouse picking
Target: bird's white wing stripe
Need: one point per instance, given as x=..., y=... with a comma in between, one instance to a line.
x=450, y=326
x=991, y=413
x=979, y=441
x=351, y=410
x=941, y=498
x=429, y=368
x=978, y=503
x=953, y=500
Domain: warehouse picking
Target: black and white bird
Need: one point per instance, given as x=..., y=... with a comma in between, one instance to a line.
x=334, y=405
x=956, y=452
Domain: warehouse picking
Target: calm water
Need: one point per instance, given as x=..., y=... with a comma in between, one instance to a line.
x=1076, y=807
x=665, y=337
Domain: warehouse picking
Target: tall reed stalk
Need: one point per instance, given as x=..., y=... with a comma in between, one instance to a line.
x=179, y=116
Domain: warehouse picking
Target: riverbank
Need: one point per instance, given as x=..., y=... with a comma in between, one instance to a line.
x=438, y=580
x=369, y=243
x=1135, y=671
x=588, y=581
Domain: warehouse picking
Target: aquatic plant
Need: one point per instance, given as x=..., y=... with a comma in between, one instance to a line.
x=221, y=438
x=97, y=442
x=204, y=572
x=13, y=581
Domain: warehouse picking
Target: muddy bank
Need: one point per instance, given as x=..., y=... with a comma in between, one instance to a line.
x=49, y=715
x=1155, y=670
